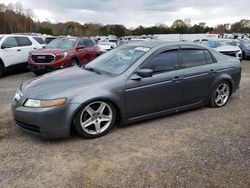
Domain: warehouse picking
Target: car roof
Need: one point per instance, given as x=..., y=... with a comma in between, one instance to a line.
x=152, y=44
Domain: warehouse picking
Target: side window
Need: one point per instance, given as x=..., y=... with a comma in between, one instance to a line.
x=163, y=62
x=209, y=58
x=39, y=40
x=23, y=41
x=81, y=42
x=192, y=57
x=87, y=42
x=10, y=42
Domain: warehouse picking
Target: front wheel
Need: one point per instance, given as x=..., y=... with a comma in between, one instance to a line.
x=95, y=119
x=220, y=95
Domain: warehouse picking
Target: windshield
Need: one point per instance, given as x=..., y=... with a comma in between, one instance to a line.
x=215, y=44
x=247, y=44
x=118, y=60
x=63, y=43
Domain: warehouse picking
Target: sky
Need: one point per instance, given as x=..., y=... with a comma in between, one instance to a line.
x=133, y=13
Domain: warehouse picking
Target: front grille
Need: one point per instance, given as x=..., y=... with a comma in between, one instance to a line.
x=28, y=127
x=230, y=53
x=43, y=58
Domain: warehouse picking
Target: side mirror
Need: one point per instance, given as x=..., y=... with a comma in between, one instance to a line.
x=80, y=47
x=145, y=73
x=5, y=46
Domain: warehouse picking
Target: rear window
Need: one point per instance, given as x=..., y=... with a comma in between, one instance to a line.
x=193, y=58
x=23, y=41
x=39, y=40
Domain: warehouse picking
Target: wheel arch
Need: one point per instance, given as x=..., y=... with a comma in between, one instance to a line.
x=2, y=63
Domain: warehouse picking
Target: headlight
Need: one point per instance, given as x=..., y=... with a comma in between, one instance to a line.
x=35, y=103
x=62, y=54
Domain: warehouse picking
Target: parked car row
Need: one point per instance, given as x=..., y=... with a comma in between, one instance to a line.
x=224, y=46
x=21, y=51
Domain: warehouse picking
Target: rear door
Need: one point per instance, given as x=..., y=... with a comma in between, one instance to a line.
x=24, y=47
x=198, y=73
x=160, y=92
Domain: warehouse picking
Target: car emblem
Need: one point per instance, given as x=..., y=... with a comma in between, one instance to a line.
x=41, y=57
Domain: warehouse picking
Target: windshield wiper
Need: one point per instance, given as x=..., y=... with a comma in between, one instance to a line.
x=91, y=69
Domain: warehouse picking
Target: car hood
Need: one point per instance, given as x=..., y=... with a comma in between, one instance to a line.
x=227, y=48
x=49, y=51
x=60, y=83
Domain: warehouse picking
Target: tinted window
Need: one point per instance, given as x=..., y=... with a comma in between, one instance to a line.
x=208, y=57
x=23, y=41
x=10, y=42
x=192, y=58
x=86, y=42
x=39, y=40
x=166, y=61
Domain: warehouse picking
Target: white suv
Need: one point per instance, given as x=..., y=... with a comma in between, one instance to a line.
x=14, y=50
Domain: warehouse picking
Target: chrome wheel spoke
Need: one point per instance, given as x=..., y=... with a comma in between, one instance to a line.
x=105, y=118
x=87, y=123
x=97, y=127
x=101, y=108
x=90, y=111
x=218, y=99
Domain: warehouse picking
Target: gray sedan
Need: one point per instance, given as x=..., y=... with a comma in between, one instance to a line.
x=128, y=84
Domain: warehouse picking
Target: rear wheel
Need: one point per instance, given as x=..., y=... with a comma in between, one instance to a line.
x=1, y=70
x=220, y=95
x=95, y=119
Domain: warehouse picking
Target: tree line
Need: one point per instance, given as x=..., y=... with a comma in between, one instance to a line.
x=17, y=22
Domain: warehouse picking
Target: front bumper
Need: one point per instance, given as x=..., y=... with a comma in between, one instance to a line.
x=52, y=122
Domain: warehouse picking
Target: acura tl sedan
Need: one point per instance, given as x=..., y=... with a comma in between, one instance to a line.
x=133, y=82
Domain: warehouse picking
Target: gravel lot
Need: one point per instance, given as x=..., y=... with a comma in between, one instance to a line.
x=198, y=148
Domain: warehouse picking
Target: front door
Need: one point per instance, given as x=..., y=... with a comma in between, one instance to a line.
x=160, y=92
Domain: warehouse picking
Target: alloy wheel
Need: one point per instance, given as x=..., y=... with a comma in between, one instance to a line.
x=222, y=94
x=96, y=118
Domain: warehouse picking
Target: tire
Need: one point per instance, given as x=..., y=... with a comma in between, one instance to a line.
x=95, y=119
x=220, y=95
x=1, y=71
x=243, y=55
x=74, y=62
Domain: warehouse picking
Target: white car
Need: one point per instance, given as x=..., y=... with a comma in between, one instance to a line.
x=15, y=49
x=226, y=47
x=106, y=46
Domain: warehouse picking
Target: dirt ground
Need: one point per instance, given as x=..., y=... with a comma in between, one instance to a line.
x=199, y=148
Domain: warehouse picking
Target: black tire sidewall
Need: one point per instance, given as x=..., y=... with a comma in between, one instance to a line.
x=1, y=70
x=84, y=134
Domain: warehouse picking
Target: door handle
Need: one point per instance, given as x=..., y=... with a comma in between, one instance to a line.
x=34, y=48
x=18, y=50
x=177, y=78
x=212, y=71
